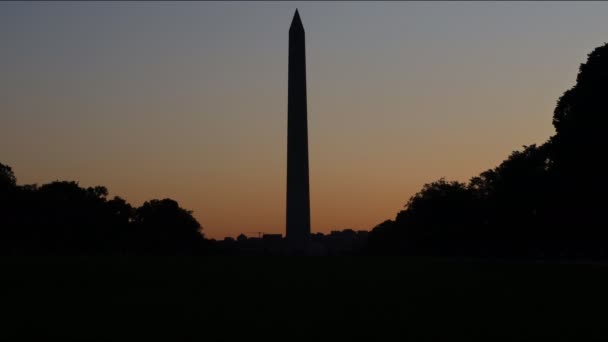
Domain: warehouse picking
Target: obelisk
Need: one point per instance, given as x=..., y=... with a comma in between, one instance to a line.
x=298, y=197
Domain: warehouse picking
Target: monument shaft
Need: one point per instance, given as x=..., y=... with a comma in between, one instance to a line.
x=298, y=197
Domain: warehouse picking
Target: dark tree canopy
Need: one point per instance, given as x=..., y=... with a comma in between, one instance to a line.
x=7, y=177
x=582, y=109
x=167, y=227
x=543, y=200
x=63, y=218
x=581, y=119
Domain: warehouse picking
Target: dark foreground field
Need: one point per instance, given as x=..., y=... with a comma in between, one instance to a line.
x=339, y=299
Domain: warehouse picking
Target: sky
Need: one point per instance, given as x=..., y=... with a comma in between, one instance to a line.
x=188, y=100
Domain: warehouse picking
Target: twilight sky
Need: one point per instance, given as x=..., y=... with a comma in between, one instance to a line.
x=189, y=100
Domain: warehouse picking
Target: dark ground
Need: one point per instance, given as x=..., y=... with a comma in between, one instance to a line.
x=338, y=299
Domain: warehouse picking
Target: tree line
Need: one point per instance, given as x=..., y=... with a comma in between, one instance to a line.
x=542, y=201
x=62, y=218
x=546, y=201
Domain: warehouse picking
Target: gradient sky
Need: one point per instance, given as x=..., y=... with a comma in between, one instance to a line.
x=189, y=100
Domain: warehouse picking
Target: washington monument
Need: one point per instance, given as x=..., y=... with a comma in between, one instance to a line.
x=298, y=198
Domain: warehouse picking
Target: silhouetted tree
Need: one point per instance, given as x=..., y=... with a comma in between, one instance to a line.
x=7, y=206
x=7, y=177
x=70, y=219
x=386, y=239
x=580, y=120
x=440, y=218
x=165, y=228
x=544, y=200
x=62, y=218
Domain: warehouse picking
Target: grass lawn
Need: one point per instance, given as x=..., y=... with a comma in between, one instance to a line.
x=339, y=299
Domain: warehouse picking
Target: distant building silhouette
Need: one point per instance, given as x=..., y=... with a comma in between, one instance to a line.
x=298, y=197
